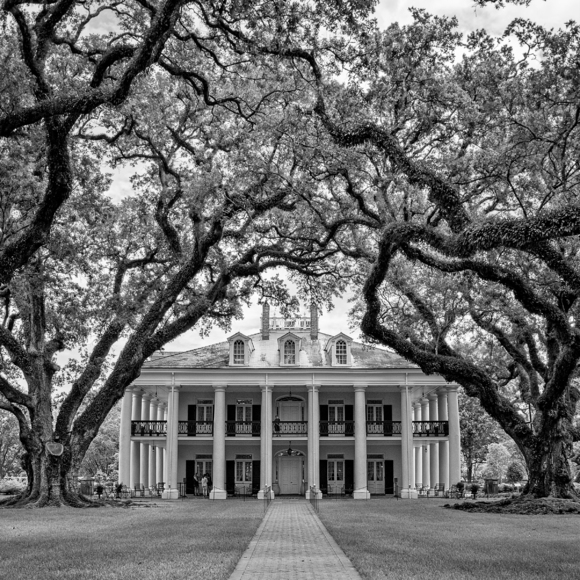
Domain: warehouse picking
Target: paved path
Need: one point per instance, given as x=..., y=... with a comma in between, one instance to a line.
x=291, y=543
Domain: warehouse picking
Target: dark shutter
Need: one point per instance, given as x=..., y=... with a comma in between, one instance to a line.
x=324, y=420
x=323, y=475
x=348, y=476
x=231, y=477
x=256, y=419
x=255, y=476
x=388, y=420
x=189, y=471
x=389, y=473
x=349, y=412
x=191, y=419
x=231, y=421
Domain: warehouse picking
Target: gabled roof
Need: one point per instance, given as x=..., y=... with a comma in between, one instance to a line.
x=243, y=337
x=266, y=355
x=336, y=337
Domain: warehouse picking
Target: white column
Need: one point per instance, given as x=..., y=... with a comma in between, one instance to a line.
x=219, y=443
x=159, y=477
x=266, y=441
x=443, y=445
x=434, y=447
x=313, y=440
x=164, y=454
x=360, y=444
x=125, y=439
x=425, y=447
x=144, y=469
x=408, y=484
x=454, y=436
x=418, y=449
x=135, y=445
x=171, y=489
x=152, y=454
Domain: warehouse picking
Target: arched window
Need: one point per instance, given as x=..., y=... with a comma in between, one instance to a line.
x=239, y=352
x=289, y=352
x=340, y=352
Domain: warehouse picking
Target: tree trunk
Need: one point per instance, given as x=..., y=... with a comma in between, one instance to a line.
x=549, y=468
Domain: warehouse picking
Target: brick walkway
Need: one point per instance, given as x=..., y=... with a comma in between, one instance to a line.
x=292, y=543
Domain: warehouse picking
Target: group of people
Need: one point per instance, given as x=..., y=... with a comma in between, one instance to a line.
x=205, y=484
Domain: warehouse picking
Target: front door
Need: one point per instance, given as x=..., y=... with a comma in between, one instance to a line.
x=290, y=474
x=375, y=476
x=290, y=411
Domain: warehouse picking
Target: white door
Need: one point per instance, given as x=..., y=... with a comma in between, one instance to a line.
x=290, y=468
x=290, y=411
x=376, y=476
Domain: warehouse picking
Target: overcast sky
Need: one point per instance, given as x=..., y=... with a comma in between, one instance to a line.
x=551, y=14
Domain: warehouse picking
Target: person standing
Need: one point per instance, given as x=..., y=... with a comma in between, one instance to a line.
x=204, y=483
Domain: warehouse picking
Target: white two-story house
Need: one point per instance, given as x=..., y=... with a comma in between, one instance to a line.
x=289, y=409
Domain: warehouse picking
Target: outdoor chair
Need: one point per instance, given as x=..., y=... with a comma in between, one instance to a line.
x=439, y=490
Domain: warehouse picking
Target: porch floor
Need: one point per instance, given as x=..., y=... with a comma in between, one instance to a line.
x=291, y=543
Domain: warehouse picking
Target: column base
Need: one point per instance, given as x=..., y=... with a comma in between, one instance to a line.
x=218, y=494
x=361, y=494
x=313, y=495
x=262, y=494
x=409, y=494
x=170, y=494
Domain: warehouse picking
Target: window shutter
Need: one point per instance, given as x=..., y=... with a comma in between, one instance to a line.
x=323, y=417
x=256, y=416
x=323, y=476
x=189, y=472
x=231, y=416
x=256, y=484
x=389, y=475
x=191, y=417
x=388, y=420
x=349, y=412
x=230, y=477
x=349, y=476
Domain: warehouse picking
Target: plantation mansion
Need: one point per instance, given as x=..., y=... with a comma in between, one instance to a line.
x=292, y=410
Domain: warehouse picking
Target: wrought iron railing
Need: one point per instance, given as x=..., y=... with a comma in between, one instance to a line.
x=195, y=428
x=386, y=428
x=430, y=428
x=290, y=428
x=149, y=428
x=337, y=427
x=242, y=428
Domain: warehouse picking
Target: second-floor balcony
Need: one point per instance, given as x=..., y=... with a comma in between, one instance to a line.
x=290, y=428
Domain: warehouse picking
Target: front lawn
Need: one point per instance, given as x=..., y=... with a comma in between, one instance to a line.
x=174, y=541
x=418, y=539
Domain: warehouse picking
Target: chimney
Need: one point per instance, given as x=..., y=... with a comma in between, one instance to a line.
x=265, y=321
x=313, y=322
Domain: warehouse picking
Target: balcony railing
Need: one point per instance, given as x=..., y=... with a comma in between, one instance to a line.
x=193, y=428
x=336, y=428
x=234, y=428
x=149, y=428
x=280, y=428
x=430, y=428
x=385, y=428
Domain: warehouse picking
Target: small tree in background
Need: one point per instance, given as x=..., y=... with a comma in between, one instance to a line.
x=515, y=472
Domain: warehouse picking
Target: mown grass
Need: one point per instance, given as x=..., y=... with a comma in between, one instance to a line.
x=389, y=539
x=174, y=541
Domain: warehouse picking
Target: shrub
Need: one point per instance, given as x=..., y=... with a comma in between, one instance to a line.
x=12, y=487
x=505, y=488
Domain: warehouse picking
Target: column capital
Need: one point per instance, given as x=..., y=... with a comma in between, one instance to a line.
x=264, y=388
x=147, y=397
x=442, y=391
x=313, y=387
x=432, y=396
x=360, y=387
x=452, y=388
x=219, y=387
x=137, y=393
x=424, y=401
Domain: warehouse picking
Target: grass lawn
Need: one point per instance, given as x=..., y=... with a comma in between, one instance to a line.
x=386, y=538
x=178, y=540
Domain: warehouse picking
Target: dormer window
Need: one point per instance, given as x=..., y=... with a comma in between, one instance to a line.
x=241, y=348
x=289, y=347
x=338, y=350
x=239, y=352
x=289, y=352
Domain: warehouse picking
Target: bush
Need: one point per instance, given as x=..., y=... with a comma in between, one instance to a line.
x=11, y=487
x=505, y=488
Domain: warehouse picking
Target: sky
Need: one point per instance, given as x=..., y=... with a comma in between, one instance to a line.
x=550, y=14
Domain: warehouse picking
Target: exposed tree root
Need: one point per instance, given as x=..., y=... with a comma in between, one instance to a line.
x=525, y=505
x=68, y=499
